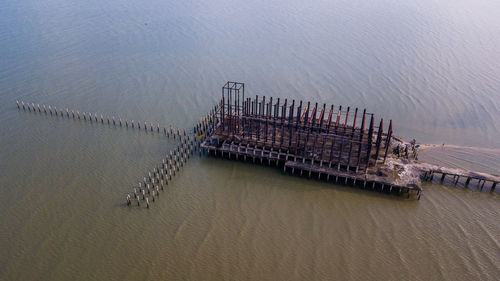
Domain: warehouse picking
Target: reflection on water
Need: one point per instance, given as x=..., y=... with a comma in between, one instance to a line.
x=431, y=66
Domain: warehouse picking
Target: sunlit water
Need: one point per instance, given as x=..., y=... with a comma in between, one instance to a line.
x=431, y=66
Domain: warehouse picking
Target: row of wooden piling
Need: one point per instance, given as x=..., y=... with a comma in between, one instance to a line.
x=162, y=174
x=156, y=179
x=103, y=119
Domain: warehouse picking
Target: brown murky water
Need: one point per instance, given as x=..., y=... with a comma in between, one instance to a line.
x=431, y=66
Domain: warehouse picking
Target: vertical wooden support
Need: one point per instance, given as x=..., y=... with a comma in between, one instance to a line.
x=319, y=131
x=336, y=127
x=321, y=118
x=254, y=113
x=329, y=119
x=250, y=123
x=351, y=139
x=262, y=109
x=388, y=140
x=222, y=110
x=311, y=125
x=333, y=140
x=346, y=117
x=315, y=135
x=304, y=118
x=370, y=143
x=268, y=114
x=361, y=132
x=276, y=111
x=297, y=122
x=230, y=111
x=338, y=117
x=228, y=114
x=237, y=124
x=312, y=120
x=259, y=115
x=299, y=110
x=243, y=90
x=290, y=123
x=379, y=138
x=283, y=118
x=243, y=118
x=354, y=121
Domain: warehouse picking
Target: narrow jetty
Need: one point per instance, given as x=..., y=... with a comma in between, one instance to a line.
x=459, y=177
x=333, y=143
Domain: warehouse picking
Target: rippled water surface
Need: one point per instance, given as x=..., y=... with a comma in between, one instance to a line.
x=431, y=66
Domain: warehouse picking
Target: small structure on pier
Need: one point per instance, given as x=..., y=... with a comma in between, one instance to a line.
x=327, y=141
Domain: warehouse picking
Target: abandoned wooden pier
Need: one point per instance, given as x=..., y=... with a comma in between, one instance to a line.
x=332, y=143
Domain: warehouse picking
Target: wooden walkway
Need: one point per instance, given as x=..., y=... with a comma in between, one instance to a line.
x=459, y=177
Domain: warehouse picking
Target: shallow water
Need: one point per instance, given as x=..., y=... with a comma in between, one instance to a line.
x=431, y=66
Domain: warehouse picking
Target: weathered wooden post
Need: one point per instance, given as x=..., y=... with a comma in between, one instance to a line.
x=379, y=138
x=370, y=143
x=388, y=140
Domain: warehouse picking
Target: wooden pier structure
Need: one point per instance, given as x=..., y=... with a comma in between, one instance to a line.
x=329, y=142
